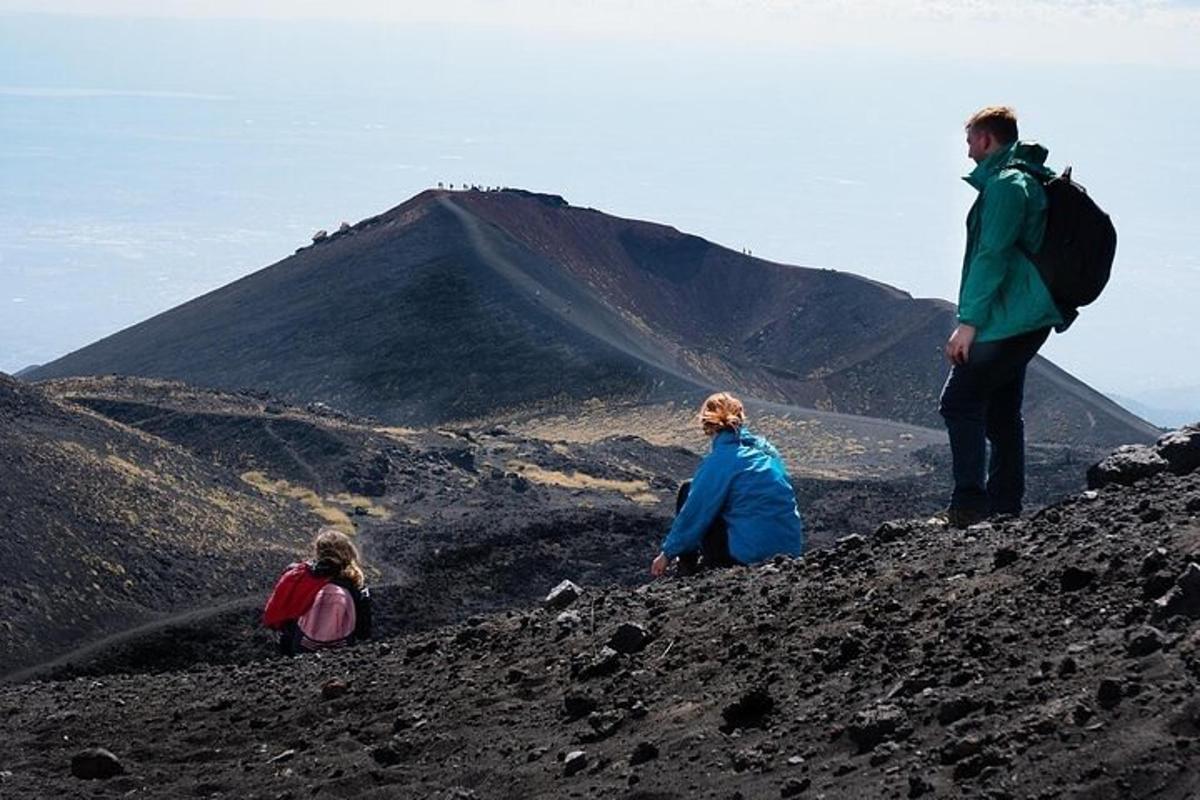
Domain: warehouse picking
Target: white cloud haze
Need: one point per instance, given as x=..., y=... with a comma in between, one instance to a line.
x=1108, y=31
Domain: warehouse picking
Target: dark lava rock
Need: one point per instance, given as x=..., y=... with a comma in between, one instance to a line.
x=1184, y=596
x=954, y=709
x=643, y=752
x=575, y=761
x=1181, y=449
x=918, y=786
x=1108, y=695
x=367, y=478
x=893, y=530
x=604, y=724
x=606, y=662
x=748, y=711
x=875, y=725
x=1126, y=465
x=387, y=755
x=795, y=787
x=562, y=595
x=973, y=766
x=1073, y=579
x=1144, y=641
x=95, y=763
x=629, y=638
x=962, y=748
x=333, y=688
x=576, y=706
x=1003, y=557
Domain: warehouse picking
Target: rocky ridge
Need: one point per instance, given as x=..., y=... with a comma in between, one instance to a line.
x=1047, y=657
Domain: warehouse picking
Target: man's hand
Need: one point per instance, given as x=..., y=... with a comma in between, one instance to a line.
x=958, y=348
x=658, y=567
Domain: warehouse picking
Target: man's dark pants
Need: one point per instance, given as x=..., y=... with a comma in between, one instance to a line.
x=981, y=403
x=714, y=547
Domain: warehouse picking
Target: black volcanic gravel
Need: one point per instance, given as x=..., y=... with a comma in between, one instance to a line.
x=921, y=662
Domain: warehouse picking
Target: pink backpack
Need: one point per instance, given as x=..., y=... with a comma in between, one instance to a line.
x=329, y=621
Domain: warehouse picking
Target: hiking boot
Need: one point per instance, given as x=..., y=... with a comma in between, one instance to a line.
x=961, y=518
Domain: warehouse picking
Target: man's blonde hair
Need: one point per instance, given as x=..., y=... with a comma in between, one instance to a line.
x=721, y=411
x=999, y=121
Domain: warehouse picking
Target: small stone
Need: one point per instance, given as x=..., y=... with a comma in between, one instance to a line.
x=386, y=755
x=334, y=687
x=962, y=748
x=643, y=752
x=918, y=786
x=1108, y=695
x=893, y=530
x=606, y=662
x=95, y=763
x=575, y=761
x=1003, y=557
x=875, y=725
x=286, y=755
x=629, y=638
x=954, y=709
x=562, y=595
x=1073, y=579
x=794, y=787
x=604, y=724
x=576, y=706
x=1144, y=641
x=1184, y=596
x=748, y=711
x=1127, y=465
x=852, y=542
x=1181, y=449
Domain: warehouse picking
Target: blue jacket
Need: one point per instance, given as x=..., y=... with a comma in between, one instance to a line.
x=744, y=481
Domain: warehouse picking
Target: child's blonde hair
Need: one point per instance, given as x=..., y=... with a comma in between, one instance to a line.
x=334, y=547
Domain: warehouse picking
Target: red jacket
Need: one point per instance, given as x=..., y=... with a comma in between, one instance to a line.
x=293, y=594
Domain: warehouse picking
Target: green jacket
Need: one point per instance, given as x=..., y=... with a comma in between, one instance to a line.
x=1001, y=293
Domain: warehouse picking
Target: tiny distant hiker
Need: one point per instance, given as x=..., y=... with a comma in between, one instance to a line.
x=324, y=602
x=1005, y=313
x=739, y=507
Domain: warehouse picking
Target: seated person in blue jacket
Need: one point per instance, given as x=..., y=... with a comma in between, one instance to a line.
x=739, y=507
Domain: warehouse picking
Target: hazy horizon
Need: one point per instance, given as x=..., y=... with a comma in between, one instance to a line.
x=147, y=161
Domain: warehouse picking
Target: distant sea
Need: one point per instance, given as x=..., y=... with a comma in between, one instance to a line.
x=145, y=162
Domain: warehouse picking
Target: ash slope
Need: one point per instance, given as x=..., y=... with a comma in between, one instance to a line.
x=458, y=521
x=1026, y=659
x=106, y=527
x=459, y=305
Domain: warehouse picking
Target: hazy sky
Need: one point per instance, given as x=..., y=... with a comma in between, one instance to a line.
x=150, y=151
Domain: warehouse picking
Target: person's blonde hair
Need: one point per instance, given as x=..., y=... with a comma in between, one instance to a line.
x=999, y=121
x=720, y=412
x=334, y=547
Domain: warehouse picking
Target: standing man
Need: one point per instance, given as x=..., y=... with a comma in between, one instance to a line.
x=1005, y=313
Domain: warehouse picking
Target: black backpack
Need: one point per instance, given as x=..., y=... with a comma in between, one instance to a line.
x=1077, y=251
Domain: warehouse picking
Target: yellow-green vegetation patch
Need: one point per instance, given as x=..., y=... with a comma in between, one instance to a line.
x=129, y=469
x=635, y=490
x=327, y=508
x=395, y=432
x=356, y=501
